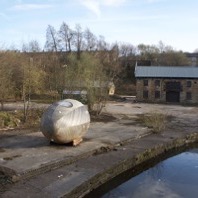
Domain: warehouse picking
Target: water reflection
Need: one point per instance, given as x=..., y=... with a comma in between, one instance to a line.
x=176, y=177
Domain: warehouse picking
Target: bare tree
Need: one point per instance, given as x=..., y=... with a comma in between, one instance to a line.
x=25, y=47
x=102, y=44
x=78, y=40
x=127, y=50
x=52, y=44
x=90, y=40
x=66, y=35
x=164, y=48
x=52, y=40
x=32, y=46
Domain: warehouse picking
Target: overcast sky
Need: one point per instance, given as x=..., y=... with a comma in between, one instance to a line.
x=174, y=22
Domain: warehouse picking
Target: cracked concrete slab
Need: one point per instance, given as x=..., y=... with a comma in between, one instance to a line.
x=30, y=152
x=60, y=170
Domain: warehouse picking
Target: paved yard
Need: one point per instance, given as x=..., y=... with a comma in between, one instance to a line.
x=29, y=154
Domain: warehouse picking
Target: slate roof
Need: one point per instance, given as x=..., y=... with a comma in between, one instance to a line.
x=166, y=72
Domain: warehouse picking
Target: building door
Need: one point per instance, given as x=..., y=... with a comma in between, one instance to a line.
x=173, y=90
x=172, y=96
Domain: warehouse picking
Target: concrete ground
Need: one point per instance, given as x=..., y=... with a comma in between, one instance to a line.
x=48, y=170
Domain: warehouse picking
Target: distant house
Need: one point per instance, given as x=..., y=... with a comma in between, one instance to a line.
x=167, y=84
x=193, y=58
x=79, y=89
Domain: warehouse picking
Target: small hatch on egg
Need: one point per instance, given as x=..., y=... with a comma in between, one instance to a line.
x=65, y=104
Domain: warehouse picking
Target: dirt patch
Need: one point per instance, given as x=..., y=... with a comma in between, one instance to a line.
x=9, y=133
x=2, y=150
x=104, y=117
x=11, y=158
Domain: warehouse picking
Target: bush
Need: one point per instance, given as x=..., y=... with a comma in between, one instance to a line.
x=33, y=117
x=8, y=120
x=155, y=121
x=14, y=119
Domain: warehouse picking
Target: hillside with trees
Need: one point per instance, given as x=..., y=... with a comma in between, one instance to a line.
x=74, y=57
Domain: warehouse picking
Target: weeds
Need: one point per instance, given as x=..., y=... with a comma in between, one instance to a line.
x=15, y=119
x=155, y=121
x=8, y=120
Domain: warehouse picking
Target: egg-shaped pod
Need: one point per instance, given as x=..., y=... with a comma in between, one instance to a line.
x=65, y=121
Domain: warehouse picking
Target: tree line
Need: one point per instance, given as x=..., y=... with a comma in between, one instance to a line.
x=125, y=55
x=76, y=59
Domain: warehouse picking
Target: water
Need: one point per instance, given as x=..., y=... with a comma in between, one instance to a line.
x=175, y=177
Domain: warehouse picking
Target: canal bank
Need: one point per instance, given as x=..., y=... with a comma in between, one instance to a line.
x=108, y=149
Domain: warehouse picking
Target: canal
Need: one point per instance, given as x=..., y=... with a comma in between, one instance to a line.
x=173, y=177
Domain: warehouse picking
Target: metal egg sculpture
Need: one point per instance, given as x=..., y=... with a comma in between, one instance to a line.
x=65, y=121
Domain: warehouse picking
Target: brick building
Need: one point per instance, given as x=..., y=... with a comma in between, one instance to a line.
x=167, y=84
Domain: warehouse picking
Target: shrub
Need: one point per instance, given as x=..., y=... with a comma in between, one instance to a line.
x=8, y=120
x=33, y=117
x=14, y=119
x=155, y=121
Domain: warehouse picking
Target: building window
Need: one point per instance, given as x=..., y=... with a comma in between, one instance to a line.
x=188, y=83
x=145, y=94
x=157, y=94
x=145, y=82
x=188, y=96
x=157, y=83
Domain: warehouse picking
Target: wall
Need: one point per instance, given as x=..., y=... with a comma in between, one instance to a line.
x=160, y=87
